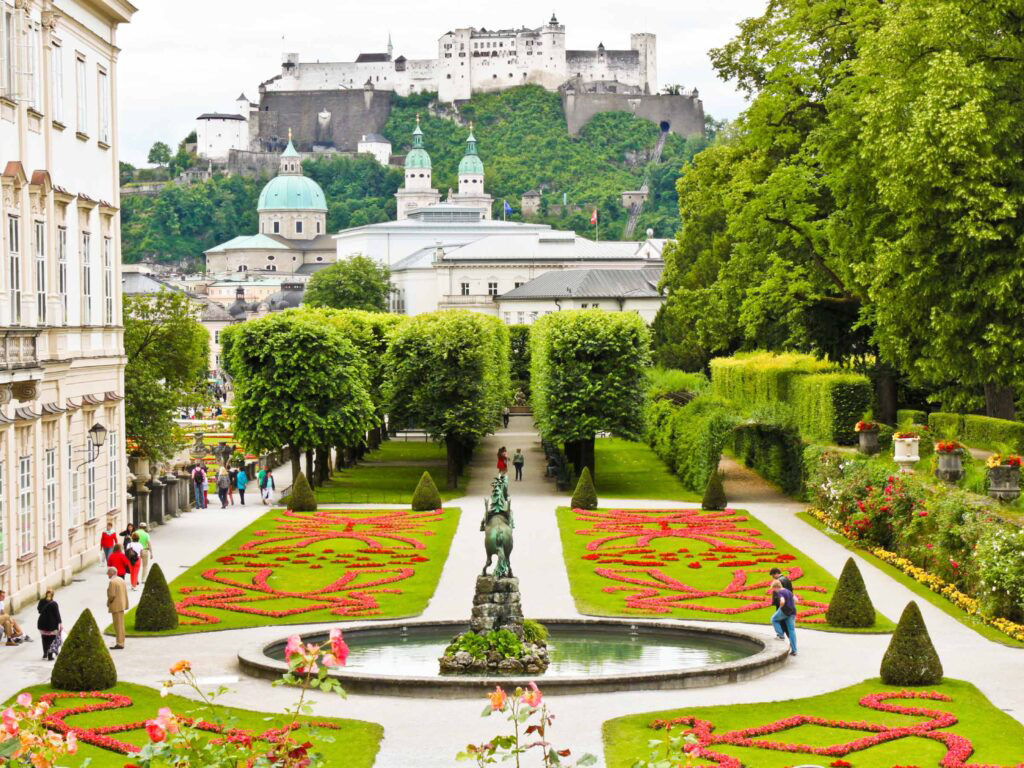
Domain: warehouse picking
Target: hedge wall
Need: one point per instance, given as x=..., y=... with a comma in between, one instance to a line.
x=982, y=432
x=775, y=452
x=690, y=439
x=904, y=415
x=828, y=406
x=761, y=378
x=663, y=381
x=949, y=425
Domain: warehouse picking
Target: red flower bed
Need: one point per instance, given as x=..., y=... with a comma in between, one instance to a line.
x=56, y=720
x=647, y=587
x=958, y=748
x=390, y=543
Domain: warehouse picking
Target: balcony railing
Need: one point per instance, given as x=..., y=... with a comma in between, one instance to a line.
x=458, y=300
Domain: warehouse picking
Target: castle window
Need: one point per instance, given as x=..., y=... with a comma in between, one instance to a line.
x=298, y=227
x=270, y=258
x=318, y=227
x=319, y=258
x=277, y=227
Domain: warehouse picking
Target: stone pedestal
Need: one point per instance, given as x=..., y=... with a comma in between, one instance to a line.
x=497, y=605
x=170, y=495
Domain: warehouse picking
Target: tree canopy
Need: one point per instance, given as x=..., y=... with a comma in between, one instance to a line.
x=159, y=154
x=357, y=282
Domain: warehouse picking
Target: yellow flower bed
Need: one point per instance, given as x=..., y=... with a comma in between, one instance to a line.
x=934, y=583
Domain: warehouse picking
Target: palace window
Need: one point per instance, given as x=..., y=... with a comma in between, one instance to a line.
x=33, y=72
x=465, y=289
x=40, y=249
x=90, y=483
x=24, y=505
x=520, y=317
x=112, y=467
x=492, y=289
x=103, y=101
x=108, y=280
x=50, y=488
x=10, y=51
x=14, y=249
x=86, y=279
x=62, y=268
x=57, y=85
x=82, y=86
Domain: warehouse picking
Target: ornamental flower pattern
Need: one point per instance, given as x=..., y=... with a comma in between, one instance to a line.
x=372, y=552
x=635, y=548
x=958, y=748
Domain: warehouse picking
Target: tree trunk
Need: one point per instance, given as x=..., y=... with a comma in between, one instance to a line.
x=323, y=465
x=454, y=451
x=310, y=476
x=339, y=457
x=999, y=402
x=885, y=395
x=385, y=431
x=373, y=438
x=296, y=465
x=587, y=457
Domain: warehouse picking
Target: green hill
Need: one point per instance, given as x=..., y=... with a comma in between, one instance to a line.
x=523, y=142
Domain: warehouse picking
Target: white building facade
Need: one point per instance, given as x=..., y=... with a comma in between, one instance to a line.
x=61, y=356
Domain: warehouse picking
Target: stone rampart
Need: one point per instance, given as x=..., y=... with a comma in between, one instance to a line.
x=683, y=115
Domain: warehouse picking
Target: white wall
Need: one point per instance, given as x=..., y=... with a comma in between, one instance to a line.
x=216, y=138
x=513, y=311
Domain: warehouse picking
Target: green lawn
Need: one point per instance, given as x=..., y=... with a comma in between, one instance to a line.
x=919, y=589
x=326, y=566
x=408, y=450
x=628, y=470
x=672, y=574
x=354, y=744
x=997, y=738
x=370, y=483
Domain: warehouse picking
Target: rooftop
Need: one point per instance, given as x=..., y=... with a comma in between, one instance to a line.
x=591, y=284
x=365, y=58
x=219, y=116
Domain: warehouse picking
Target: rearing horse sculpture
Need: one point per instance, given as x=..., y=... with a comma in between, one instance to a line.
x=497, y=526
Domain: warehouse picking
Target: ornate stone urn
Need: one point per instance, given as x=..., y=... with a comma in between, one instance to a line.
x=949, y=466
x=906, y=452
x=868, y=441
x=1004, y=482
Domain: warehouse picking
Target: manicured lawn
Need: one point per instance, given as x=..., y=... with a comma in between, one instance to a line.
x=325, y=566
x=352, y=743
x=997, y=739
x=919, y=589
x=628, y=470
x=370, y=482
x=408, y=450
x=688, y=564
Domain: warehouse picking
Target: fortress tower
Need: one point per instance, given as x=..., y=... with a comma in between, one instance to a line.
x=645, y=43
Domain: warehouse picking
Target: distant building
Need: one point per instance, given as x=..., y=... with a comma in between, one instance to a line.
x=376, y=145
x=530, y=203
x=612, y=290
x=217, y=133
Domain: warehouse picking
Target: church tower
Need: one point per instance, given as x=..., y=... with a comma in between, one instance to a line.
x=471, y=179
x=418, y=191
x=292, y=205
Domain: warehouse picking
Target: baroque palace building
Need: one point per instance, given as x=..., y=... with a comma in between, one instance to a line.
x=62, y=445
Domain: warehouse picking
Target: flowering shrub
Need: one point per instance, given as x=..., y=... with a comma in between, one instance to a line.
x=25, y=739
x=948, y=446
x=1001, y=460
x=865, y=426
x=521, y=707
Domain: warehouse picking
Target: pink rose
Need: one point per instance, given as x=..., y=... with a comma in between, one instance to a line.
x=532, y=697
x=156, y=731
x=25, y=700
x=293, y=646
x=339, y=648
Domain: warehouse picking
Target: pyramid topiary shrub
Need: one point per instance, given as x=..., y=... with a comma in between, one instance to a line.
x=911, y=658
x=156, y=611
x=851, y=605
x=426, y=497
x=714, y=493
x=584, y=497
x=84, y=663
x=301, y=498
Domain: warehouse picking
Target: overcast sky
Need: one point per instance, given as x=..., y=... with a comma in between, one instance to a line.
x=184, y=57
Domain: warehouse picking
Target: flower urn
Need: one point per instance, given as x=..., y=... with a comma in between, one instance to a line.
x=950, y=466
x=905, y=452
x=868, y=441
x=1004, y=482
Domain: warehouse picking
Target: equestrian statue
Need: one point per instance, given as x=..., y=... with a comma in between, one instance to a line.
x=497, y=526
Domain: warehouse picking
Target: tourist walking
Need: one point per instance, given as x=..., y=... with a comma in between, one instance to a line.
x=199, y=485
x=266, y=485
x=206, y=490
x=784, y=618
x=518, y=460
x=232, y=484
x=119, y=561
x=241, y=480
x=126, y=536
x=505, y=414
x=134, y=554
x=107, y=541
x=502, y=461
x=12, y=630
x=117, y=604
x=147, y=550
x=50, y=625
x=223, y=484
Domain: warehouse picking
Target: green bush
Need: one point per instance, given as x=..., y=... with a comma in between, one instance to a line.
x=760, y=378
x=774, y=451
x=534, y=632
x=664, y=381
x=828, y=406
x=851, y=605
x=503, y=641
x=156, y=611
x=946, y=425
x=699, y=434
x=714, y=494
x=911, y=658
x=584, y=497
x=989, y=434
x=426, y=497
x=84, y=663
x=1000, y=564
x=301, y=498
x=519, y=341
x=904, y=415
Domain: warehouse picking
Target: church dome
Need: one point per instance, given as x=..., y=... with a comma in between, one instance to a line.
x=292, y=193
x=417, y=159
x=471, y=164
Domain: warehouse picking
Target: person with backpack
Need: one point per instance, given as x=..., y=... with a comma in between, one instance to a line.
x=223, y=484
x=119, y=561
x=232, y=484
x=777, y=575
x=49, y=625
x=241, y=481
x=126, y=536
x=134, y=554
x=199, y=485
x=784, y=619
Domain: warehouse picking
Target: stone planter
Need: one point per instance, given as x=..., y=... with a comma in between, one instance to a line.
x=950, y=467
x=868, y=441
x=1004, y=483
x=905, y=453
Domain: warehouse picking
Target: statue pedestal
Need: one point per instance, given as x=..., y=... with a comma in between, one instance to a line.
x=497, y=605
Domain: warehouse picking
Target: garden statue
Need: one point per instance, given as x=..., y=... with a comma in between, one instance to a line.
x=497, y=526
x=519, y=399
x=224, y=452
x=198, y=448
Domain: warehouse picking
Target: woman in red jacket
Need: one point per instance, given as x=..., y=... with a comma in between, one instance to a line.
x=502, y=460
x=107, y=541
x=119, y=560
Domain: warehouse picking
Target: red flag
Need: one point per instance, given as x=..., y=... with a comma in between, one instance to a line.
x=593, y=219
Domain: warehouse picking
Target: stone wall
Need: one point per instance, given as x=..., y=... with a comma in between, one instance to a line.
x=351, y=115
x=683, y=114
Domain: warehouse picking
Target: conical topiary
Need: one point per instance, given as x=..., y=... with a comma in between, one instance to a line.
x=584, y=497
x=911, y=658
x=851, y=605
x=426, y=497
x=156, y=611
x=84, y=663
x=714, y=493
x=301, y=498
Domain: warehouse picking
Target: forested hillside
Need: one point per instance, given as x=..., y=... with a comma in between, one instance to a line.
x=523, y=142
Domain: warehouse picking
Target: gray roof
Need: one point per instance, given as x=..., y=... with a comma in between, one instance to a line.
x=591, y=283
x=372, y=57
x=135, y=283
x=312, y=268
x=219, y=116
x=215, y=313
x=374, y=138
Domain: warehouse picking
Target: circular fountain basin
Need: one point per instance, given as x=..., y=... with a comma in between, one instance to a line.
x=587, y=656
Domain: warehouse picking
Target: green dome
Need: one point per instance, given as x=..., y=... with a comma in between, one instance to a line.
x=292, y=193
x=471, y=164
x=417, y=158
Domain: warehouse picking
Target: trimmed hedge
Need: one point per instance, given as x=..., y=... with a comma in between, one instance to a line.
x=301, y=498
x=903, y=415
x=775, y=452
x=761, y=378
x=987, y=433
x=156, y=611
x=663, y=381
x=851, y=605
x=585, y=496
x=426, y=497
x=690, y=439
x=946, y=425
x=84, y=663
x=910, y=658
x=828, y=406
x=714, y=494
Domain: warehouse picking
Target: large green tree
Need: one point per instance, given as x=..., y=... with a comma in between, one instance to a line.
x=168, y=357
x=357, y=282
x=587, y=375
x=298, y=383
x=448, y=374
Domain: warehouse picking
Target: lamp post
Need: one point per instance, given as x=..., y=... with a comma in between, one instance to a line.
x=98, y=435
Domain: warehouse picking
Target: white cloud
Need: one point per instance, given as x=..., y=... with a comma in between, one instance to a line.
x=186, y=57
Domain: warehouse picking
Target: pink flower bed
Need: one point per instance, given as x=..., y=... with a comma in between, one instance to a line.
x=722, y=542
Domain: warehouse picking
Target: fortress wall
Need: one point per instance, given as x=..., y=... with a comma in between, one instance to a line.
x=623, y=66
x=684, y=114
x=353, y=113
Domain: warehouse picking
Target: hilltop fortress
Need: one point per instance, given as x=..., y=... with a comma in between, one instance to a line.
x=334, y=106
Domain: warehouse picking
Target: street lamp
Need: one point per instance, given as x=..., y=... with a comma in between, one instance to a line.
x=98, y=433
